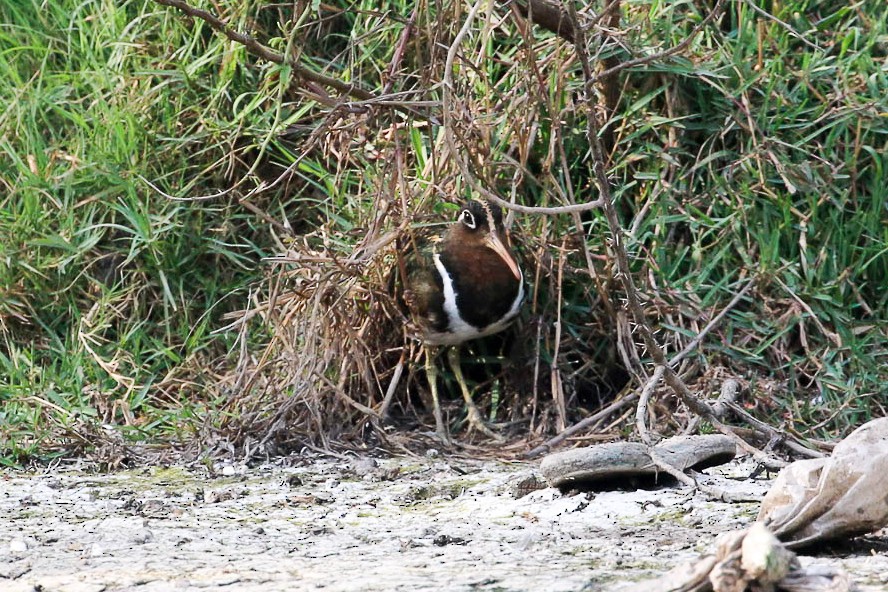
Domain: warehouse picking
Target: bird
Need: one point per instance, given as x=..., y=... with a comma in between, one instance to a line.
x=461, y=286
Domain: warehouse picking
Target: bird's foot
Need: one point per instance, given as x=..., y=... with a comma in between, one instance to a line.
x=442, y=435
x=477, y=424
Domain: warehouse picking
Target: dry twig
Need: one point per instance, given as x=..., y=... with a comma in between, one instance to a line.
x=364, y=96
x=551, y=443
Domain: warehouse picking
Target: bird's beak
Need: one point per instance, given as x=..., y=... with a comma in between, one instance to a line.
x=493, y=241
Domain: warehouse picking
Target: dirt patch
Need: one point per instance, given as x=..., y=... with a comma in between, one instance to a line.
x=363, y=524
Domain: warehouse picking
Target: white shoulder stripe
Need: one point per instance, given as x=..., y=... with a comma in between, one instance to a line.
x=458, y=329
x=455, y=323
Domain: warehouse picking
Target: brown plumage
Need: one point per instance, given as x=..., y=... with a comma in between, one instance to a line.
x=463, y=286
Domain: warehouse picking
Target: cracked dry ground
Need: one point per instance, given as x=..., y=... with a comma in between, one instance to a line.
x=390, y=524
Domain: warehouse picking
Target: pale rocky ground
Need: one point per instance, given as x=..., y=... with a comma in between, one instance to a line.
x=391, y=524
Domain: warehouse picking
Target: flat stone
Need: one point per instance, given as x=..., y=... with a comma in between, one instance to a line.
x=697, y=452
x=618, y=460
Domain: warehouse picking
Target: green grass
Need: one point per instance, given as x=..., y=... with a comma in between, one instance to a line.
x=107, y=289
x=753, y=155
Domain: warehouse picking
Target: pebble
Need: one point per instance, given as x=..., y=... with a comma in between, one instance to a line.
x=140, y=537
x=364, y=467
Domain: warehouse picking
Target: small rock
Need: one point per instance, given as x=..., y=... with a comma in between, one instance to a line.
x=293, y=480
x=526, y=484
x=17, y=546
x=442, y=540
x=140, y=537
x=214, y=496
x=410, y=544
x=364, y=466
x=53, y=483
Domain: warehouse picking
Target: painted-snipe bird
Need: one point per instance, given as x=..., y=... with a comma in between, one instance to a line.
x=462, y=286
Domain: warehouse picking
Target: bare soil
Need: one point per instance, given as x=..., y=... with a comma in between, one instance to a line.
x=312, y=523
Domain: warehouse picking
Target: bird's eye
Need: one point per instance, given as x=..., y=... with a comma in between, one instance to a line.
x=468, y=219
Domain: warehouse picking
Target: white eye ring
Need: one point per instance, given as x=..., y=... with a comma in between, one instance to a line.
x=468, y=219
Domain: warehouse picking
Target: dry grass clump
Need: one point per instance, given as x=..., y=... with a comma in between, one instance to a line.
x=691, y=203
x=340, y=361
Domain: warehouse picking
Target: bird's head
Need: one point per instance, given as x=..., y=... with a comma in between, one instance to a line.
x=480, y=226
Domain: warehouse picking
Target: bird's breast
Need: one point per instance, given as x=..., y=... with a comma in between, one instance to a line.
x=480, y=297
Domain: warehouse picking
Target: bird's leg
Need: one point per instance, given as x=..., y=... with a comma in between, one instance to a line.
x=476, y=422
x=432, y=377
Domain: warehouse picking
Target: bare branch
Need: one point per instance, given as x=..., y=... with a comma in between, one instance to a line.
x=547, y=211
x=622, y=259
x=266, y=53
x=641, y=410
x=582, y=425
x=696, y=341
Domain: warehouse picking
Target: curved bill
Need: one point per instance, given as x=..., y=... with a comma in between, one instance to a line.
x=493, y=241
